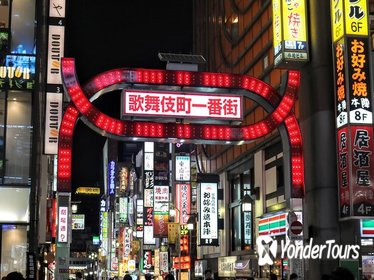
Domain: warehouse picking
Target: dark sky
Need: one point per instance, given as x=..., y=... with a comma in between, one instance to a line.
x=107, y=34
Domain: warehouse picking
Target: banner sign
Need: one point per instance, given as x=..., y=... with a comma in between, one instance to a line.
x=362, y=163
x=183, y=201
x=63, y=224
x=186, y=105
x=208, y=214
x=112, y=177
x=358, y=51
x=183, y=168
x=53, y=118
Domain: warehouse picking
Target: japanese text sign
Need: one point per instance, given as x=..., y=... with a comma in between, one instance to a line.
x=182, y=105
x=183, y=201
x=349, y=17
x=63, y=224
x=290, y=32
x=208, y=214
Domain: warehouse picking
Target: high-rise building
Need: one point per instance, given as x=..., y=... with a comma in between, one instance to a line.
x=263, y=39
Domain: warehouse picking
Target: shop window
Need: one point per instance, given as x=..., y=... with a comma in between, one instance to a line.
x=13, y=249
x=4, y=14
x=18, y=138
x=23, y=27
x=241, y=222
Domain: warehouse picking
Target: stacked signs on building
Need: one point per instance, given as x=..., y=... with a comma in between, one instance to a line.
x=54, y=98
x=161, y=189
x=354, y=119
x=290, y=33
x=149, y=183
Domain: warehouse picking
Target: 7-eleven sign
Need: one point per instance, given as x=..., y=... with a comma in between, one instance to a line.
x=367, y=228
x=274, y=225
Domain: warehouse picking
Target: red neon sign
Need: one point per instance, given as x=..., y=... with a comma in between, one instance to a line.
x=80, y=104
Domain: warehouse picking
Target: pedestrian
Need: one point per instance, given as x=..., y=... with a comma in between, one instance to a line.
x=342, y=273
x=273, y=276
x=78, y=275
x=169, y=276
x=208, y=274
x=293, y=276
x=127, y=277
x=148, y=276
x=15, y=275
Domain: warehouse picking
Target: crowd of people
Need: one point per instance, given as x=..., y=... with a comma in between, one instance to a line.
x=340, y=273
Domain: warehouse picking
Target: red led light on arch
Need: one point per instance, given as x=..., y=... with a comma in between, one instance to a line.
x=281, y=113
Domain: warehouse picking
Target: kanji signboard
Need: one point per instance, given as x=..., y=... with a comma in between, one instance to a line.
x=186, y=105
x=354, y=118
x=290, y=33
x=208, y=214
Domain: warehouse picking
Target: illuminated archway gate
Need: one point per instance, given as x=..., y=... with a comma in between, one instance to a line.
x=279, y=108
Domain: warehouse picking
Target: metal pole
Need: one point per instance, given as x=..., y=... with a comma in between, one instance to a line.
x=179, y=234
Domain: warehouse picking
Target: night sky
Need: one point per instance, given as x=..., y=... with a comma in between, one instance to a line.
x=107, y=34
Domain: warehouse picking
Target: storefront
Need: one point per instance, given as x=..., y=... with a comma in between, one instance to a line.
x=367, y=251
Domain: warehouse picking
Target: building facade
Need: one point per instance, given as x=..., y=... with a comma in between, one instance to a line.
x=237, y=37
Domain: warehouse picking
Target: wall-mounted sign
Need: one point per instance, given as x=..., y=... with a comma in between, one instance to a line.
x=53, y=111
x=273, y=225
x=358, y=51
x=367, y=228
x=208, y=214
x=226, y=266
x=183, y=201
x=123, y=204
x=186, y=105
x=182, y=168
x=88, y=190
x=290, y=33
x=63, y=224
x=77, y=221
x=112, y=178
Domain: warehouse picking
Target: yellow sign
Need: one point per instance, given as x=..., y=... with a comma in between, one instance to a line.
x=277, y=26
x=356, y=17
x=172, y=232
x=88, y=190
x=294, y=20
x=337, y=19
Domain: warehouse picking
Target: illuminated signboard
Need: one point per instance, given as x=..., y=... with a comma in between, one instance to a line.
x=358, y=51
x=123, y=204
x=290, y=33
x=78, y=221
x=112, y=177
x=183, y=201
x=349, y=18
x=186, y=105
x=87, y=190
x=53, y=112
x=208, y=214
x=182, y=168
x=367, y=228
x=18, y=72
x=341, y=108
x=62, y=224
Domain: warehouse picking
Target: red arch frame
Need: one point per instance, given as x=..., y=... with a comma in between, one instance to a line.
x=81, y=105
